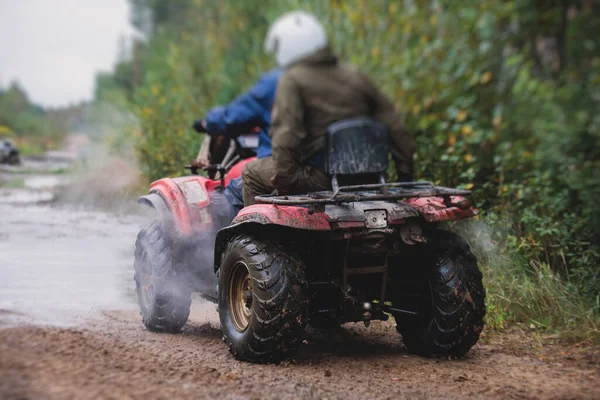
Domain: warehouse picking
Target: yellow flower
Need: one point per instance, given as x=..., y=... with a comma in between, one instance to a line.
x=154, y=90
x=452, y=140
x=468, y=158
x=462, y=115
x=486, y=77
x=466, y=130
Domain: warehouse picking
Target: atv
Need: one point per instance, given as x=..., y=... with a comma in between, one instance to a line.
x=9, y=154
x=363, y=251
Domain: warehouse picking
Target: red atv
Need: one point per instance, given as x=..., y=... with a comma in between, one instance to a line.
x=361, y=252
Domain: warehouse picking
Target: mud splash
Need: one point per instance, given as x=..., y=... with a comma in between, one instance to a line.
x=63, y=261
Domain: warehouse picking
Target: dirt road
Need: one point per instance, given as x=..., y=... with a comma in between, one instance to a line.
x=69, y=328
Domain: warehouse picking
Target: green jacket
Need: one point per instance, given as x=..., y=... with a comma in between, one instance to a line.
x=316, y=92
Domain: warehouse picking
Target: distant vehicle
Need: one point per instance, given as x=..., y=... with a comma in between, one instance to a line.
x=9, y=154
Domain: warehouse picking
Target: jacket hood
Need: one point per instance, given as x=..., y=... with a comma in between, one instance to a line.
x=323, y=56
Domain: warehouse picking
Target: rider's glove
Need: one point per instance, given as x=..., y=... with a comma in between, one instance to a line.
x=199, y=126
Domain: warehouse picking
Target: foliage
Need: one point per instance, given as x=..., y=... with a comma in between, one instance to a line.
x=502, y=97
x=523, y=290
x=34, y=128
x=19, y=117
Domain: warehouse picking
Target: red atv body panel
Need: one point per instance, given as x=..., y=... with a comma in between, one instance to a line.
x=434, y=209
x=188, y=197
x=353, y=215
x=290, y=216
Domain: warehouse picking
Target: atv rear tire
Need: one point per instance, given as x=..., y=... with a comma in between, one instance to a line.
x=453, y=302
x=262, y=300
x=163, y=295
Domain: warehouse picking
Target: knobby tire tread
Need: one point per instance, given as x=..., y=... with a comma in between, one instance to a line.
x=172, y=298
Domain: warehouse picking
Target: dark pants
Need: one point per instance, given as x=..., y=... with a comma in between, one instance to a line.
x=257, y=176
x=233, y=193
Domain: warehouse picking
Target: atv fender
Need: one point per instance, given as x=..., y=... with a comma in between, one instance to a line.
x=184, y=200
x=187, y=198
x=288, y=216
x=158, y=204
x=269, y=215
x=155, y=201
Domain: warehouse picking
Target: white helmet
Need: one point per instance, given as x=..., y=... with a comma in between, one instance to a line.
x=293, y=36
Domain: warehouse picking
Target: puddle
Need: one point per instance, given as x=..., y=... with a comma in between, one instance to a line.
x=60, y=264
x=32, y=182
x=24, y=196
x=37, y=182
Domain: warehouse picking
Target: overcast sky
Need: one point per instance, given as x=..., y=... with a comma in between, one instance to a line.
x=53, y=48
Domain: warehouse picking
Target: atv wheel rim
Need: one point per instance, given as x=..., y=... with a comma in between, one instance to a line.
x=240, y=297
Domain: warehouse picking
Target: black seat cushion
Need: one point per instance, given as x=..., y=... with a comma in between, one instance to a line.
x=357, y=146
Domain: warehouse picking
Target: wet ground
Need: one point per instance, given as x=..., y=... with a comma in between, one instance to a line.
x=69, y=328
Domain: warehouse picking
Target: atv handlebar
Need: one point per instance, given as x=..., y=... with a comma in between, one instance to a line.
x=221, y=169
x=199, y=126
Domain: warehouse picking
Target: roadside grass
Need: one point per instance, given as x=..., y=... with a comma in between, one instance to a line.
x=60, y=170
x=12, y=183
x=30, y=148
x=540, y=299
x=524, y=291
x=34, y=145
x=29, y=171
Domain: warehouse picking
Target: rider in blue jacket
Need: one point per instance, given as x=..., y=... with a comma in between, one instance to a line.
x=247, y=111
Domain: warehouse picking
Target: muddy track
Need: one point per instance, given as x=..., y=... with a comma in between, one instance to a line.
x=114, y=357
x=69, y=329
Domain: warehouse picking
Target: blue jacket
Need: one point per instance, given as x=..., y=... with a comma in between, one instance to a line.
x=249, y=110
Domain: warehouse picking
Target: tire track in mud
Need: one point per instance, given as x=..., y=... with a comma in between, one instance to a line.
x=115, y=357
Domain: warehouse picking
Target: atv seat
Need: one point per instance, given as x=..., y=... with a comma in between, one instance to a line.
x=357, y=151
x=356, y=148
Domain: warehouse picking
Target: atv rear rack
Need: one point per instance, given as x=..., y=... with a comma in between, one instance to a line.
x=370, y=192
